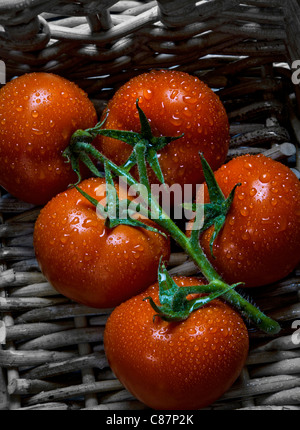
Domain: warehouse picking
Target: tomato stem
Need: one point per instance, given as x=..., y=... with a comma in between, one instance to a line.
x=191, y=247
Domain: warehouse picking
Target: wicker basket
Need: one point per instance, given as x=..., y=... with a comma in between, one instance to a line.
x=51, y=355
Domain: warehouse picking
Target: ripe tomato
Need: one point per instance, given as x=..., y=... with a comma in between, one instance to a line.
x=259, y=243
x=88, y=262
x=38, y=114
x=178, y=365
x=174, y=103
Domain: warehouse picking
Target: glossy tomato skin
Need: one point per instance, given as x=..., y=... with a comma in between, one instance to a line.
x=259, y=243
x=39, y=112
x=88, y=262
x=176, y=366
x=174, y=103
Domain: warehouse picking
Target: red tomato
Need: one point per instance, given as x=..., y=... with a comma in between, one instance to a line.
x=174, y=103
x=39, y=112
x=182, y=365
x=259, y=243
x=88, y=262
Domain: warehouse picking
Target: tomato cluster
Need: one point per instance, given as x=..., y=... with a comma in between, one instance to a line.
x=167, y=365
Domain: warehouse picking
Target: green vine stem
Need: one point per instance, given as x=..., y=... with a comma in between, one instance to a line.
x=80, y=147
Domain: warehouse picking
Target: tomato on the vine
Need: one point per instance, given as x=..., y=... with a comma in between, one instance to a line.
x=89, y=262
x=176, y=365
x=174, y=102
x=39, y=112
x=259, y=242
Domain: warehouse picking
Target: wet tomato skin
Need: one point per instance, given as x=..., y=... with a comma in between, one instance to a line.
x=259, y=243
x=174, y=103
x=88, y=262
x=175, y=366
x=38, y=114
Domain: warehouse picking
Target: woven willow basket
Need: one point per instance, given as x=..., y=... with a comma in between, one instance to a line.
x=51, y=352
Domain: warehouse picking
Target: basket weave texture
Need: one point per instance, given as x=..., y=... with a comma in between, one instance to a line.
x=51, y=350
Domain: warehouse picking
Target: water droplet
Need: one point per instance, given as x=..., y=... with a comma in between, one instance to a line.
x=37, y=132
x=65, y=134
x=273, y=201
x=231, y=220
x=34, y=114
x=19, y=108
x=252, y=192
x=265, y=178
x=248, y=165
x=176, y=120
x=147, y=94
x=282, y=223
x=190, y=100
x=244, y=211
x=187, y=112
x=64, y=238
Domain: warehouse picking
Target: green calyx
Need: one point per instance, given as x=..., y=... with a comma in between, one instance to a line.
x=118, y=212
x=216, y=211
x=174, y=303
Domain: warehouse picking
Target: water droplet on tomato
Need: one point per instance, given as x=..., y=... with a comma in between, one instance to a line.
x=64, y=238
x=75, y=220
x=190, y=100
x=147, y=94
x=244, y=211
x=252, y=192
x=187, y=112
x=177, y=121
x=65, y=134
x=34, y=114
x=265, y=178
x=37, y=131
x=273, y=201
x=282, y=223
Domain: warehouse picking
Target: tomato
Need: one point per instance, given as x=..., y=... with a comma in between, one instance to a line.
x=259, y=243
x=175, y=365
x=38, y=114
x=89, y=262
x=174, y=103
